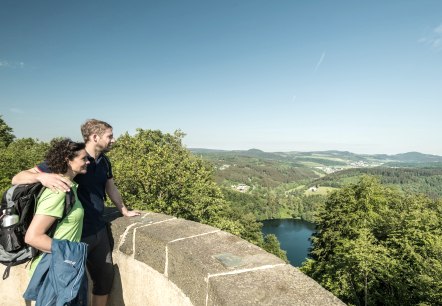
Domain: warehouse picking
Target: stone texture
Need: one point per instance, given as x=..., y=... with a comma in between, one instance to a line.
x=140, y=285
x=191, y=261
x=120, y=225
x=124, y=243
x=151, y=241
x=281, y=285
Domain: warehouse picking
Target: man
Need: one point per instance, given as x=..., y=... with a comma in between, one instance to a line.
x=93, y=187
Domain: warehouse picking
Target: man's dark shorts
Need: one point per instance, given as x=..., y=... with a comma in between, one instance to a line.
x=99, y=262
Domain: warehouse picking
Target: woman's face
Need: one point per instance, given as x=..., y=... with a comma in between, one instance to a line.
x=80, y=162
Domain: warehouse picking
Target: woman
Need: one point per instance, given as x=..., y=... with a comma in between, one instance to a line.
x=68, y=159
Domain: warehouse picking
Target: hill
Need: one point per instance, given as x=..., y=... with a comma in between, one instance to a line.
x=315, y=163
x=299, y=174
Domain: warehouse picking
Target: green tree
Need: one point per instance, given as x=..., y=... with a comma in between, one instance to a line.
x=272, y=245
x=23, y=153
x=376, y=246
x=154, y=171
x=6, y=135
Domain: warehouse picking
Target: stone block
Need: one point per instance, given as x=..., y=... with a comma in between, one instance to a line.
x=125, y=236
x=152, y=240
x=193, y=261
x=280, y=285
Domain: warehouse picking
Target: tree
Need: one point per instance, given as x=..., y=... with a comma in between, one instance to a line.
x=23, y=153
x=6, y=135
x=272, y=245
x=154, y=171
x=376, y=246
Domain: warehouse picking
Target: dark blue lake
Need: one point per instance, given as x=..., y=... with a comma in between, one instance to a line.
x=293, y=236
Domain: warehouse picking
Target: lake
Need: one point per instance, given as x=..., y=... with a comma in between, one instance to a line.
x=293, y=235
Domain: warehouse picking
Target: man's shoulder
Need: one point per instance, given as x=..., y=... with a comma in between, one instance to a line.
x=107, y=163
x=104, y=156
x=43, y=167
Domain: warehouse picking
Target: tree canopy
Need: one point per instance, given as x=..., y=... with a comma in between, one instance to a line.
x=6, y=133
x=154, y=171
x=376, y=246
x=17, y=154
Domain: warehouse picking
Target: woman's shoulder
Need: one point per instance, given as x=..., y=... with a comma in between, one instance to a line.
x=51, y=203
x=48, y=194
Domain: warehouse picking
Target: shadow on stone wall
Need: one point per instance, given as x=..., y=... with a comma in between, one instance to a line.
x=117, y=296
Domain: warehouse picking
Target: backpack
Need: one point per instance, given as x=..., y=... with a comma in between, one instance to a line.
x=23, y=200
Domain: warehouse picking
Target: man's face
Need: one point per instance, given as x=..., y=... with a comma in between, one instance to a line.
x=106, y=140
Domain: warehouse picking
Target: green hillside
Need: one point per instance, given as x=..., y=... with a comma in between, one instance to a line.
x=331, y=168
x=293, y=184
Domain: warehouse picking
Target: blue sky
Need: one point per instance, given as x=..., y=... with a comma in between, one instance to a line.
x=361, y=76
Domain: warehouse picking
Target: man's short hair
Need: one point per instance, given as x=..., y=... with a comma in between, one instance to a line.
x=94, y=126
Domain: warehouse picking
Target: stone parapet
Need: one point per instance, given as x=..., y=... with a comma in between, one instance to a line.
x=206, y=266
x=163, y=260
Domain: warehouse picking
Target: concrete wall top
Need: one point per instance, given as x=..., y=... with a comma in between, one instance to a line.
x=212, y=267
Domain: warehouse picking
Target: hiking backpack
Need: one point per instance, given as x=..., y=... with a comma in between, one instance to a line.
x=23, y=199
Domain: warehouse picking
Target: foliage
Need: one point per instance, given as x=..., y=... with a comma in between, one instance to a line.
x=427, y=180
x=6, y=133
x=278, y=180
x=272, y=245
x=17, y=154
x=376, y=246
x=265, y=170
x=23, y=153
x=155, y=172
x=273, y=203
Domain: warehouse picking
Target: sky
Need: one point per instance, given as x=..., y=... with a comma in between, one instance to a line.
x=359, y=76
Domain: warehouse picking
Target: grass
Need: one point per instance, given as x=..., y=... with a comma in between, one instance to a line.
x=319, y=191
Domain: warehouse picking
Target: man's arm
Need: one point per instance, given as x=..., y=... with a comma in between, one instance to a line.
x=51, y=180
x=115, y=196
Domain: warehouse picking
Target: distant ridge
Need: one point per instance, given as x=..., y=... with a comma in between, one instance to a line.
x=417, y=157
x=408, y=157
x=202, y=150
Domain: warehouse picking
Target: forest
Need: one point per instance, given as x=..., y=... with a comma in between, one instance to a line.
x=279, y=183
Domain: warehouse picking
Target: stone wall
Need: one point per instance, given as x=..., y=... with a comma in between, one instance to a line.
x=196, y=264
x=162, y=260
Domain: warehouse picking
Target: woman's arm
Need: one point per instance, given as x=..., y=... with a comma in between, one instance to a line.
x=36, y=233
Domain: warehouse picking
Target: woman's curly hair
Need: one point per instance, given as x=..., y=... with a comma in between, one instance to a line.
x=62, y=151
